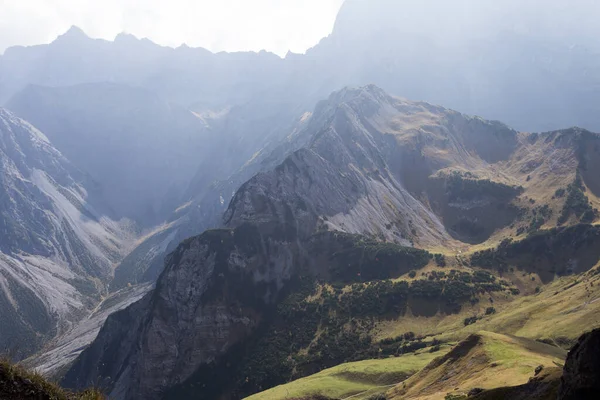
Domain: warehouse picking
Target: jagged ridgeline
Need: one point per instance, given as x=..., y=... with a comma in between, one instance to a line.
x=396, y=228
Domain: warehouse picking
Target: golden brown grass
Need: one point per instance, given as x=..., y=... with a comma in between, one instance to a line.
x=559, y=313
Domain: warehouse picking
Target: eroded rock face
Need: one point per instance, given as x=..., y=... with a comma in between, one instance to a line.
x=57, y=243
x=215, y=291
x=344, y=178
x=581, y=377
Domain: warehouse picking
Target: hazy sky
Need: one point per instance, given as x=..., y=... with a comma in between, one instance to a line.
x=274, y=25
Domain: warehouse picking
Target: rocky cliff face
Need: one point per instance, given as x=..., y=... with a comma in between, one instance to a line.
x=581, y=376
x=259, y=95
x=60, y=352
x=241, y=145
x=341, y=180
x=215, y=291
x=403, y=171
x=58, y=247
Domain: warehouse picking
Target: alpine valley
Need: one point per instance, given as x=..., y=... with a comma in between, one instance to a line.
x=181, y=224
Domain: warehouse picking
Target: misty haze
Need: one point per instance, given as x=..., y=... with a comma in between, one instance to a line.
x=299, y=199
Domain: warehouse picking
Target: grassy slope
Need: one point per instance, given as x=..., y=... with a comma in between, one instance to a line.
x=363, y=377
x=490, y=362
x=560, y=312
x=542, y=387
x=485, y=360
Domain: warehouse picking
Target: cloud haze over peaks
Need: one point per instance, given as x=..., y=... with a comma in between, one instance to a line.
x=218, y=25
x=464, y=20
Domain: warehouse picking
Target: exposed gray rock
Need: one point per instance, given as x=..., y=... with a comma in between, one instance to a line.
x=58, y=355
x=370, y=168
x=214, y=292
x=58, y=245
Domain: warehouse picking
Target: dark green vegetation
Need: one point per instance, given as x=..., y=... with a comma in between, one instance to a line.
x=318, y=326
x=311, y=302
x=577, y=204
x=540, y=215
x=459, y=187
x=451, y=396
x=440, y=260
x=333, y=328
x=473, y=209
x=361, y=259
x=558, y=251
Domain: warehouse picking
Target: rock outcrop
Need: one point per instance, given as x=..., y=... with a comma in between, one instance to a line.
x=581, y=376
x=215, y=291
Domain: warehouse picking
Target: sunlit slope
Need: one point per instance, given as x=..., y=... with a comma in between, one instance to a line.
x=484, y=360
x=362, y=378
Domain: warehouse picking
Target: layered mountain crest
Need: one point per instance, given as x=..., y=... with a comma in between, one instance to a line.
x=413, y=173
x=59, y=245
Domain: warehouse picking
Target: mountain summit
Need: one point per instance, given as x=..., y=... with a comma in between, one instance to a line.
x=318, y=249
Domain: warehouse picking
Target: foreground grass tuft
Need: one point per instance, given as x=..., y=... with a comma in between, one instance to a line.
x=19, y=383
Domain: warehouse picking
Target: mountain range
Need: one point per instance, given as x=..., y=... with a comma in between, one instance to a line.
x=182, y=224
x=306, y=246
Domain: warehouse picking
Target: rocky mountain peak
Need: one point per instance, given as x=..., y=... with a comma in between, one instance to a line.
x=125, y=37
x=74, y=35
